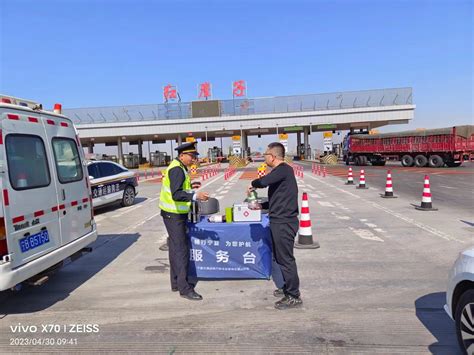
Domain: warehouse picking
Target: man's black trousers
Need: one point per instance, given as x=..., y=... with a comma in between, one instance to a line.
x=283, y=237
x=178, y=254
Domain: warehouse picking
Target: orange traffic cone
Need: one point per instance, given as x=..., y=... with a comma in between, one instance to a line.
x=426, y=199
x=362, y=180
x=305, y=235
x=388, y=187
x=350, y=178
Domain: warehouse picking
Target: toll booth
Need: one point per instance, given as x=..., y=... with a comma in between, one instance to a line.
x=131, y=161
x=158, y=158
x=109, y=158
x=213, y=153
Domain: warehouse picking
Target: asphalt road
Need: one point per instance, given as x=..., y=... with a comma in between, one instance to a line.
x=375, y=286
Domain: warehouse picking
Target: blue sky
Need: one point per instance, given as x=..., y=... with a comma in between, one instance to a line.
x=106, y=53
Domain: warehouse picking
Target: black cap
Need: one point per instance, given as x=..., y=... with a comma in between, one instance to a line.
x=187, y=148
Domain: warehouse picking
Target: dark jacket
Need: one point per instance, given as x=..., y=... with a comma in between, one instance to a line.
x=282, y=193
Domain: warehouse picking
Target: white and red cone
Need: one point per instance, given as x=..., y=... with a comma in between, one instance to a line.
x=362, y=180
x=350, y=177
x=388, y=186
x=426, y=204
x=305, y=234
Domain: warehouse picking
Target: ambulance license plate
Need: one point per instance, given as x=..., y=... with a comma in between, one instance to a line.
x=34, y=241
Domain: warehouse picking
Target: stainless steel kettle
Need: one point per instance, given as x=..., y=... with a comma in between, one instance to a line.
x=211, y=206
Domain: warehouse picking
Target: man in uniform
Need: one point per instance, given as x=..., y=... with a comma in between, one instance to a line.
x=175, y=204
x=283, y=213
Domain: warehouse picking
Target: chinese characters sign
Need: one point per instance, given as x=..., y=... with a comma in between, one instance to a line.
x=170, y=93
x=235, y=251
x=205, y=91
x=239, y=88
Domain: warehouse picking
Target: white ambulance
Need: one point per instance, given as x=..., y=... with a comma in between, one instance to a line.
x=45, y=214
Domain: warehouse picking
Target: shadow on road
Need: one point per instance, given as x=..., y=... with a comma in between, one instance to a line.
x=29, y=299
x=430, y=312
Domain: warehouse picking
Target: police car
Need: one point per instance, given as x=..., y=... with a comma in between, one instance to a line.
x=111, y=183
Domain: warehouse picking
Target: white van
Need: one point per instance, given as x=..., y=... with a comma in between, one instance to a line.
x=46, y=210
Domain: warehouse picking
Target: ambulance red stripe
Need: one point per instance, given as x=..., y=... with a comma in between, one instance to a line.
x=64, y=124
x=13, y=117
x=39, y=213
x=6, y=201
x=18, y=219
x=33, y=119
x=51, y=122
x=74, y=203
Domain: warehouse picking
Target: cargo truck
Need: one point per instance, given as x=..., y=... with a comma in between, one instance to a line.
x=430, y=147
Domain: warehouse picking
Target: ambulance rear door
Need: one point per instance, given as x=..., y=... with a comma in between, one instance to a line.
x=28, y=187
x=69, y=167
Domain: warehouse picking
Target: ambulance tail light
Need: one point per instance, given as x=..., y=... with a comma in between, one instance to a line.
x=57, y=108
x=3, y=238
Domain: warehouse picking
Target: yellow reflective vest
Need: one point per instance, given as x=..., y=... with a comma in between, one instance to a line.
x=166, y=199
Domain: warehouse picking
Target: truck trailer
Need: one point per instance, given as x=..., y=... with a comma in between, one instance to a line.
x=449, y=146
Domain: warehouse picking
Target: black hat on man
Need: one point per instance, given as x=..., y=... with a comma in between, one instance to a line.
x=187, y=148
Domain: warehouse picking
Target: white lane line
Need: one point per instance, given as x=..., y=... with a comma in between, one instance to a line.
x=420, y=225
x=315, y=195
x=371, y=225
x=346, y=218
x=380, y=230
x=448, y=187
x=153, y=199
x=366, y=234
x=131, y=228
x=219, y=197
x=128, y=210
x=363, y=220
x=325, y=204
x=220, y=188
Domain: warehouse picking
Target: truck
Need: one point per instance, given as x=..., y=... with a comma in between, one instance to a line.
x=435, y=148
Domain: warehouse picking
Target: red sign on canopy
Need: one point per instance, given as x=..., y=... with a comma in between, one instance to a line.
x=170, y=93
x=239, y=88
x=205, y=91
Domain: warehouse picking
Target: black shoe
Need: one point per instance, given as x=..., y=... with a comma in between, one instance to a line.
x=192, y=296
x=174, y=289
x=288, y=302
x=278, y=292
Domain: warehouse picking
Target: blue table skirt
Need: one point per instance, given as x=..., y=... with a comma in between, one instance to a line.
x=238, y=250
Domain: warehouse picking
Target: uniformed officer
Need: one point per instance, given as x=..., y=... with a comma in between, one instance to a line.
x=175, y=203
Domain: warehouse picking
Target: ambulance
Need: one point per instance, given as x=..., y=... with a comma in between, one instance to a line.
x=46, y=213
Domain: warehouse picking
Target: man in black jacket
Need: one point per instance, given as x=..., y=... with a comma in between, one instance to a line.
x=283, y=213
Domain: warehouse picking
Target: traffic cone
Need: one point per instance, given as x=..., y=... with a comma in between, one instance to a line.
x=319, y=170
x=305, y=235
x=350, y=178
x=362, y=180
x=388, y=187
x=324, y=172
x=426, y=199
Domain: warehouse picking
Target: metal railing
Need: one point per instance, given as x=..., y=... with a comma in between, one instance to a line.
x=247, y=106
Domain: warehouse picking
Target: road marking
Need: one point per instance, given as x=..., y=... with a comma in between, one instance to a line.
x=366, y=234
x=129, y=209
x=315, y=195
x=325, y=204
x=448, y=187
x=420, y=225
x=219, y=197
x=371, y=225
x=340, y=217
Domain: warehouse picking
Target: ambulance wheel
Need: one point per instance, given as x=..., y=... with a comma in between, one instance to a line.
x=128, y=196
